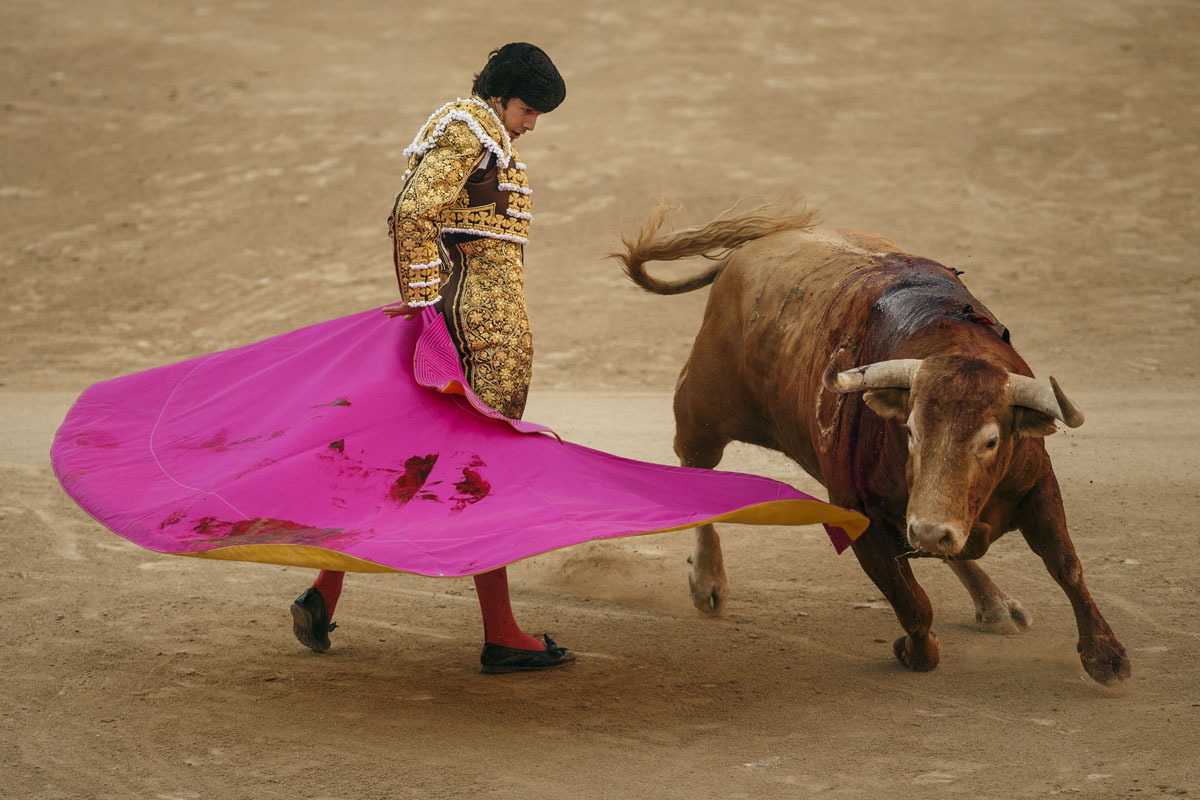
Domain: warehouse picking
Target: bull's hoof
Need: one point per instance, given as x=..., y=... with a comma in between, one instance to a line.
x=919, y=656
x=1008, y=617
x=708, y=592
x=1105, y=661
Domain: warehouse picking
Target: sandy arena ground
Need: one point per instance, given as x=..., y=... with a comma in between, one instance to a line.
x=178, y=178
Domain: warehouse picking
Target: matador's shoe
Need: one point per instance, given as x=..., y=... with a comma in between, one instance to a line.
x=310, y=620
x=498, y=658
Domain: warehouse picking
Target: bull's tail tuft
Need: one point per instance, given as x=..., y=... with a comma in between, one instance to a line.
x=715, y=241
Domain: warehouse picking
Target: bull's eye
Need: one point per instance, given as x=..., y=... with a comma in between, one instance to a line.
x=991, y=444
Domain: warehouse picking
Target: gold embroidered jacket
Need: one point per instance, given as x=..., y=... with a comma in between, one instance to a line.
x=434, y=200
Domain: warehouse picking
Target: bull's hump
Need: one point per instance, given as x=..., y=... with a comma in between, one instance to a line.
x=917, y=292
x=908, y=264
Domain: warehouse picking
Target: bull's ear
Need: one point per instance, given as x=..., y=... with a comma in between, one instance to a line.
x=888, y=403
x=1034, y=424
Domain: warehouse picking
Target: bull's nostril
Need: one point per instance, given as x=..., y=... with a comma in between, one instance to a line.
x=932, y=537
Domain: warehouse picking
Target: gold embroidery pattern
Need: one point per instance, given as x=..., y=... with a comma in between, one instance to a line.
x=489, y=319
x=435, y=182
x=434, y=199
x=520, y=200
x=462, y=217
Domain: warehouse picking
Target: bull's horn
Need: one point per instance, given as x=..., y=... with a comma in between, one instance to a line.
x=1046, y=398
x=896, y=374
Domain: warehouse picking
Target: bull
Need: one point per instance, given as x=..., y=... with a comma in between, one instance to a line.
x=880, y=374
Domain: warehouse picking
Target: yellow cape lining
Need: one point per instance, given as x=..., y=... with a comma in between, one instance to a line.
x=775, y=512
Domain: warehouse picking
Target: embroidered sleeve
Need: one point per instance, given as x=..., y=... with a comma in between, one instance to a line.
x=438, y=179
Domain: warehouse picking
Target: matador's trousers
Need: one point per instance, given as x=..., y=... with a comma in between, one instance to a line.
x=483, y=301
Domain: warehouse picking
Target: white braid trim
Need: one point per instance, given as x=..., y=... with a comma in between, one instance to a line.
x=507, y=237
x=512, y=187
x=518, y=214
x=423, y=303
x=519, y=165
x=419, y=148
x=437, y=262
x=423, y=284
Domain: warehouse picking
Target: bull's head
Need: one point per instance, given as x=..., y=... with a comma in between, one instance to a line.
x=964, y=417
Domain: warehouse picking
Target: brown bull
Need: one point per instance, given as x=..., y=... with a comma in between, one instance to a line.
x=887, y=381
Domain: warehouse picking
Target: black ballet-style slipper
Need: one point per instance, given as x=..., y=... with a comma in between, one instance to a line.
x=497, y=658
x=310, y=621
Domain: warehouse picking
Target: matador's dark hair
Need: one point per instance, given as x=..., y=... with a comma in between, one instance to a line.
x=523, y=70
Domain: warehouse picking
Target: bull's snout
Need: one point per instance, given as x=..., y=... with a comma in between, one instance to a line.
x=938, y=538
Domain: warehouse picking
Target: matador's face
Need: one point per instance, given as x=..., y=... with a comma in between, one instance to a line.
x=515, y=115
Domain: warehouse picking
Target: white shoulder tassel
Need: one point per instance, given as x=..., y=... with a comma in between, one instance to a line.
x=447, y=115
x=423, y=303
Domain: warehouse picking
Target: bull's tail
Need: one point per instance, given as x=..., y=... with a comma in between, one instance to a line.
x=716, y=241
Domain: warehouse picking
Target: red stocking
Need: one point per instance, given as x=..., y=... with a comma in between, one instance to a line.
x=329, y=584
x=499, y=626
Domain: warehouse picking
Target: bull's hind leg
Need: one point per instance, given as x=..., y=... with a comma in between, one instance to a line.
x=709, y=585
x=883, y=560
x=707, y=580
x=697, y=446
x=712, y=409
x=995, y=610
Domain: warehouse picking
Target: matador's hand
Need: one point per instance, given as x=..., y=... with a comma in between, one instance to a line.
x=401, y=310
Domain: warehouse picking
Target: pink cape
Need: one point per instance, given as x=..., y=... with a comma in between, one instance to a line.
x=326, y=447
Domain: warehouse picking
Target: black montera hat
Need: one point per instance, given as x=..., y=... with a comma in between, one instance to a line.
x=522, y=70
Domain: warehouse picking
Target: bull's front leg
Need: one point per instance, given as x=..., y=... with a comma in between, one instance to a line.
x=994, y=608
x=879, y=552
x=710, y=587
x=1043, y=523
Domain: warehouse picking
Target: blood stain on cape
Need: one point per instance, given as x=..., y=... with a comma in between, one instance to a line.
x=101, y=439
x=416, y=472
x=266, y=462
x=174, y=518
x=266, y=531
x=219, y=442
x=471, y=489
